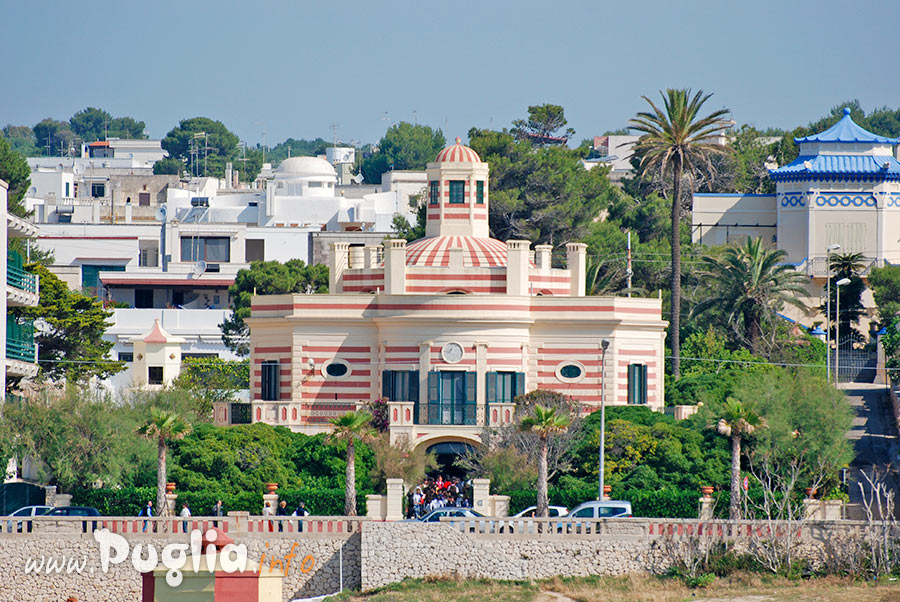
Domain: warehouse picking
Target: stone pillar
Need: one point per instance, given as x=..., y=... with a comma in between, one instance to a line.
x=357, y=257
x=500, y=505
x=238, y=520
x=706, y=507
x=375, y=507
x=543, y=256
x=394, y=499
x=171, y=500
x=340, y=257
x=271, y=497
x=811, y=509
x=517, y=267
x=395, y=267
x=576, y=258
x=481, y=489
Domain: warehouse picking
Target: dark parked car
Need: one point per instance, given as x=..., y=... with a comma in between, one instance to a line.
x=74, y=511
x=77, y=511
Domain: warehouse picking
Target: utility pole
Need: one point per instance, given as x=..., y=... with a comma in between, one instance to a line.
x=628, y=271
x=604, y=344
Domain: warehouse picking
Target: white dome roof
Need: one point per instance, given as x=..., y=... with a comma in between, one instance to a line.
x=304, y=167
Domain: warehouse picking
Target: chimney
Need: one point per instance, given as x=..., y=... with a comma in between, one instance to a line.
x=542, y=256
x=517, y=255
x=576, y=258
x=229, y=174
x=395, y=267
x=340, y=256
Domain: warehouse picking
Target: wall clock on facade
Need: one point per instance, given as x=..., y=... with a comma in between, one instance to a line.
x=452, y=352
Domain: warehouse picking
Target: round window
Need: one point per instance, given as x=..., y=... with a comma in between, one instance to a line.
x=570, y=372
x=336, y=369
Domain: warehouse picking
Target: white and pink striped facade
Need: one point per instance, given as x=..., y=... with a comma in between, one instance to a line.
x=450, y=328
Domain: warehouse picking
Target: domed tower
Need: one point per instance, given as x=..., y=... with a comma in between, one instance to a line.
x=457, y=193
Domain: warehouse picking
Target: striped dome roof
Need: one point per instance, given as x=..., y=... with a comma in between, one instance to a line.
x=477, y=252
x=458, y=153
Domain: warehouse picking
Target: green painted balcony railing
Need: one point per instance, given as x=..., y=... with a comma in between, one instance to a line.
x=17, y=276
x=20, y=340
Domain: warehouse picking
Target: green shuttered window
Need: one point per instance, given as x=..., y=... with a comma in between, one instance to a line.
x=637, y=384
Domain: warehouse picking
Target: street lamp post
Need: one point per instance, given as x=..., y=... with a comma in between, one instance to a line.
x=831, y=248
x=837, y=328
x=603, y=344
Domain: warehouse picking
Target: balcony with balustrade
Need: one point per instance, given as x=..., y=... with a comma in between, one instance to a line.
x=21, y=285
x=21, y=350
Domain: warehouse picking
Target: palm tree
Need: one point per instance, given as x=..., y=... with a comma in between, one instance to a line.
x=545, y=422
x=737, y=421
x=163, y=426
x=846, y=265
x=749, y=282
x=351, y=427
x=677, y=139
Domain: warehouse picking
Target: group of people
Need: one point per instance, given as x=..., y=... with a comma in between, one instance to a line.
x=217, y=510
x=439, y=493
x=283, y=510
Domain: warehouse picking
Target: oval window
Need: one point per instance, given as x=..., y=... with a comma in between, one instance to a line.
x=570, y=371
x=335, y=369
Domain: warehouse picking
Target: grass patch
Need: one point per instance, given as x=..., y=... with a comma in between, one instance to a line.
x=739, y=587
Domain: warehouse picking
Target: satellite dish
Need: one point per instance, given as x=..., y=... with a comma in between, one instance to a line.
x=161, y=214
x=199, y=268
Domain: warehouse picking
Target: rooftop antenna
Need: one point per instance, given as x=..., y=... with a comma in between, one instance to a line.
x=415, y=118
x=334, y=128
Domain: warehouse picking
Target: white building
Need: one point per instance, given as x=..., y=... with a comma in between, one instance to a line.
x=174, y=261
x=18, y=353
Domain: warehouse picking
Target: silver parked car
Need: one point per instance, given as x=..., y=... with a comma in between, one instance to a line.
x=25, y=512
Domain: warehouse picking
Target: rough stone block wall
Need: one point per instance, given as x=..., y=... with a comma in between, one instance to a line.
x=122, y=583
x=392, y=552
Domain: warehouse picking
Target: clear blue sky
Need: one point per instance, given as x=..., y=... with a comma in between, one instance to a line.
x=292, y=68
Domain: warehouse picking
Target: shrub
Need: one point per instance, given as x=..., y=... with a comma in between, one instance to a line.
x=128, y=501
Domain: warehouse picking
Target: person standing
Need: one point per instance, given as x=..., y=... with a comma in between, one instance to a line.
x=148, y=512
x=267, y=513
x=218, y=510
x=281, y=511
x=300, y=512
x=185, y=513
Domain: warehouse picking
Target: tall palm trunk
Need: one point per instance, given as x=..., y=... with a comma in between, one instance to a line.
x=753, y=329
x=675, y=323
x=543, y=502
x=161, y=477
x=734, y=508
x=350, y=481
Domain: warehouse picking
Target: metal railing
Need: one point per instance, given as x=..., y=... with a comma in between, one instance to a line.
x=20, y=340
x=16, y=276
x=818, y=266
x=451, y=414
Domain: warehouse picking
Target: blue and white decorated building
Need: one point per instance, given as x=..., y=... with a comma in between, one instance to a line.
x=843, y=189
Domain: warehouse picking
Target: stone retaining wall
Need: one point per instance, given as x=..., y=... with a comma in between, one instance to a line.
x=122, y=583
x=379, y=553
x=392, y=552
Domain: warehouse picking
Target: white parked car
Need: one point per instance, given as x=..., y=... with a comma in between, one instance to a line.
x=553, y=512
x=25, y=512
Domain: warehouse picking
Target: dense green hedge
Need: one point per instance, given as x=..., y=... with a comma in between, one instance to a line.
x=128, y=501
